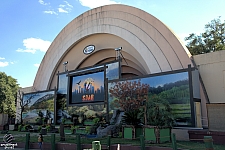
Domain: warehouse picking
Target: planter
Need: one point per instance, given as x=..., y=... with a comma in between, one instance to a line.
x=80, y=131
x=157, y=135
x=132, y=132
x=88, y=123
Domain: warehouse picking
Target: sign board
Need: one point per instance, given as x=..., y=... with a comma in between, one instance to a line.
x=89, y=49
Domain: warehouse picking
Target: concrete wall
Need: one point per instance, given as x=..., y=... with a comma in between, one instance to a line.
x=211, y=67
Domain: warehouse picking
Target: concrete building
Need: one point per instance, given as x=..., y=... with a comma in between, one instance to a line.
x=148, y=46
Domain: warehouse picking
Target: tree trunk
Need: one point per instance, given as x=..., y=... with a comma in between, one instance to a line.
x=62, y=133
x=157, y=135
x=21, y=116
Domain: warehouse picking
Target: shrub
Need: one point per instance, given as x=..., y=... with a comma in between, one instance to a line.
x=20, y=127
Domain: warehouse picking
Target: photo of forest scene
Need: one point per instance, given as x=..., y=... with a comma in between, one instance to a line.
x=172, y=89
x=38, y=106
x=83, y=112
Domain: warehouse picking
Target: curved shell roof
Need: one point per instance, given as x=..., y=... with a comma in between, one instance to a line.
x=148, y=45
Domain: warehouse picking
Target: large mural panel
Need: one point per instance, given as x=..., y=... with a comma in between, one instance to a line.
x=83, y=83
x=38, y=105
x=172, y=88
x=87, y=88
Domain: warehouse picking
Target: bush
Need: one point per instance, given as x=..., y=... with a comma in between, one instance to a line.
x=20, y=127
x=39, y=128
x=48, y=127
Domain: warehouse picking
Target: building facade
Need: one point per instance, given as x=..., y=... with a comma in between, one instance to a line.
x=147, y=45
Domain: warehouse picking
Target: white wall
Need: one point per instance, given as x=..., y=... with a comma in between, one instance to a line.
x=211, y=67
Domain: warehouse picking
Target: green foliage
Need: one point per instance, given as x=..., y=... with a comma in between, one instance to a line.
x=47, y=104
x=72, y=128
x=213, y=39
x=132, y=117
x=159, y=112
x=20, y=127
x=39, y=128
x=88, y=129
x=96, y=120
x=48, y=127
x=8, y=94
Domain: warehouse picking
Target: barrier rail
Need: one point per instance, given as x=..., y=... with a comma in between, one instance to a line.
x=96, y=145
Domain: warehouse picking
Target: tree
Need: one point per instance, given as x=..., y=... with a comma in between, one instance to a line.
x=8, y=91
x=129, y=95
x=24, y=102
x=211, y=40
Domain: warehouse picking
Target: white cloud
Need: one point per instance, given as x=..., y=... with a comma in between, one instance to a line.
x=61, y=10
x=50, y=12
x=61, y=5
x=97, y=3
x=34, y=44
x=2, y=58
x=65, y=8
x=26, y=50
x=68, y=4
x=36, y=65
x=4, y=64
x=42, y=2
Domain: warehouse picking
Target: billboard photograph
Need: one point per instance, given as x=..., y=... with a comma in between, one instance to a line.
x=112, y=71
x=87, y=88
x=171, y=89
x=37, y=106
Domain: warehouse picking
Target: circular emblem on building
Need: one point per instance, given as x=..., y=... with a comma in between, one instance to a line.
x=89, y=49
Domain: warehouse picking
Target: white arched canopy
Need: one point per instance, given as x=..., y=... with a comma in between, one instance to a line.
x=148, y=45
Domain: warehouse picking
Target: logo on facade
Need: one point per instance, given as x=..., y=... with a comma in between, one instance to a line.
x=8, y=139
x=89, y=49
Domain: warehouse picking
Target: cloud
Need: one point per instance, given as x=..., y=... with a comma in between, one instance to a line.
x=2, y=58
x=65, y=8
x=68, y=4
x=61, y=10
x=42, y=2
x=34, y=44
x=36, y=65
x=26, y=50
x=4, y=64
x=94, y=4
x=50, y=12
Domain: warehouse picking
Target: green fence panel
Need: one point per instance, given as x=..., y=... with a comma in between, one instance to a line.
x=149, y=134
x=165, y=135
x=127, y=133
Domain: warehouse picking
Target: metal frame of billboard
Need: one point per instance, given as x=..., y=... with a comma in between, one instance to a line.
x=69, y=90
x=189, y=69
x=52, y=90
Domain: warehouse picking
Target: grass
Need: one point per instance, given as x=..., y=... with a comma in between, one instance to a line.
x=70, y=138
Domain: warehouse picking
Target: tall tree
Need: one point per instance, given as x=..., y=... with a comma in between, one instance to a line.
x=130, y=95
x=8, y=92
x=211, y=40
x=24, y=102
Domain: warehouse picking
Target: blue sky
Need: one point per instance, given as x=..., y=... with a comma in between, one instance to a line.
x=27, y=27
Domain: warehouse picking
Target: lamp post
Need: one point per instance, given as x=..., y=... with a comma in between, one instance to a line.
x=64, y=64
